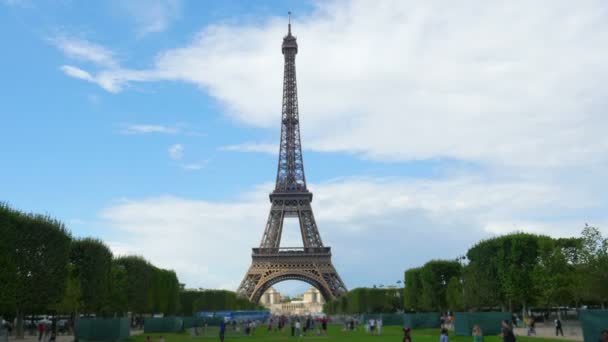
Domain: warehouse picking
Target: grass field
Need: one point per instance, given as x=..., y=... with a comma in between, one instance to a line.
x=335, y=334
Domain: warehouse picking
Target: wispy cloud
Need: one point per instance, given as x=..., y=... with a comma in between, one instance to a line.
x=152, y=16
x=77, y=73
x=176, y=151
x=252, y=147
x=84, y=50
x=147, y=128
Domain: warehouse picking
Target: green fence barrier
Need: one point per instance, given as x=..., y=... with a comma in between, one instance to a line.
x=163, y=325
x=192, y=321
x=422, y=320
x=211, y=321
x=489, y=322
x=593, y=323
x=102, y=329
x=387, y=319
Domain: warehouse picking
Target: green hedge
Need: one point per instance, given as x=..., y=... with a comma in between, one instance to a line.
x=593, y=322
x=489, y=322
x=102, y=329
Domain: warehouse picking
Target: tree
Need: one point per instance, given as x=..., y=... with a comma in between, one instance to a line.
x=118, y=297
x=412, y=290
x=139, y=278
x=594, y=270
x=186, y=300
x=367, y=300
x=556, y=272
x=454, y=295
x=505, y=265
x=216, y=300
x=72, y=298
x=8, y=284
x=92, y=263
x=39, y=253
x=163, y=292
x=434, y=277
x=482, y=286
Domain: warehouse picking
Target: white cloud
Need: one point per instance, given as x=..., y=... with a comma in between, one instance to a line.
x=252, y=147
x=152, y=16
x=176, y=151
x=76, y=73
x=99, y=79
x=84, y=50
x=417, y=80
x=396, y=223
x=147, y=128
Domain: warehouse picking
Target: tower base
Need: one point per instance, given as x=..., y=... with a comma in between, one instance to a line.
x=273, y=265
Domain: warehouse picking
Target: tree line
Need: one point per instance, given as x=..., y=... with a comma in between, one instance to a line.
x=192, y=301
x=366, y=300
x=515, y=271
x=45, y=270
x=509, y=272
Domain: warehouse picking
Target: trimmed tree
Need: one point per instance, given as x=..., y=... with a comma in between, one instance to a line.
x=413, y=289
x=434, y=277
x=40, y=252
x=91, y=260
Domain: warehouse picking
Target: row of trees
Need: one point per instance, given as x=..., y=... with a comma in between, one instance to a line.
x=366, y=300
x=514, y=271
x=192, y=301
x=43, y=269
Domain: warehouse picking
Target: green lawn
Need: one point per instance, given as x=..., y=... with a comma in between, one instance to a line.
x=335, y=334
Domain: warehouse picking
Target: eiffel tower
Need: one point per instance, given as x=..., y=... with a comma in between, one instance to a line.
x=271, y=263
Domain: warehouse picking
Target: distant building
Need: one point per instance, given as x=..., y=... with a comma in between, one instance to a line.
x=311, y=303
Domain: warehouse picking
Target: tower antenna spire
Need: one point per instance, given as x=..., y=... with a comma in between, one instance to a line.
x=289, y=22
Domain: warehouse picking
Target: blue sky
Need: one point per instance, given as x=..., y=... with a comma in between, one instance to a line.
x=154, y=125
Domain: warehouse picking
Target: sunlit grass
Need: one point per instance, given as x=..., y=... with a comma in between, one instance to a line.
x=335, y=334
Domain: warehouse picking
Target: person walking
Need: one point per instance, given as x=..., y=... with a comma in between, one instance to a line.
x=406, y=335
x=40, y=330
x=507, y=332
x=222, y=330
x=558, y=327
x=477, y=335
x=324, y=325
x=298, y=326
x=531, y=326
x=444, y=335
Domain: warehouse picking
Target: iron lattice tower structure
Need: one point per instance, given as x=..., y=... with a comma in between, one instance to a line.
x=271, y=263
